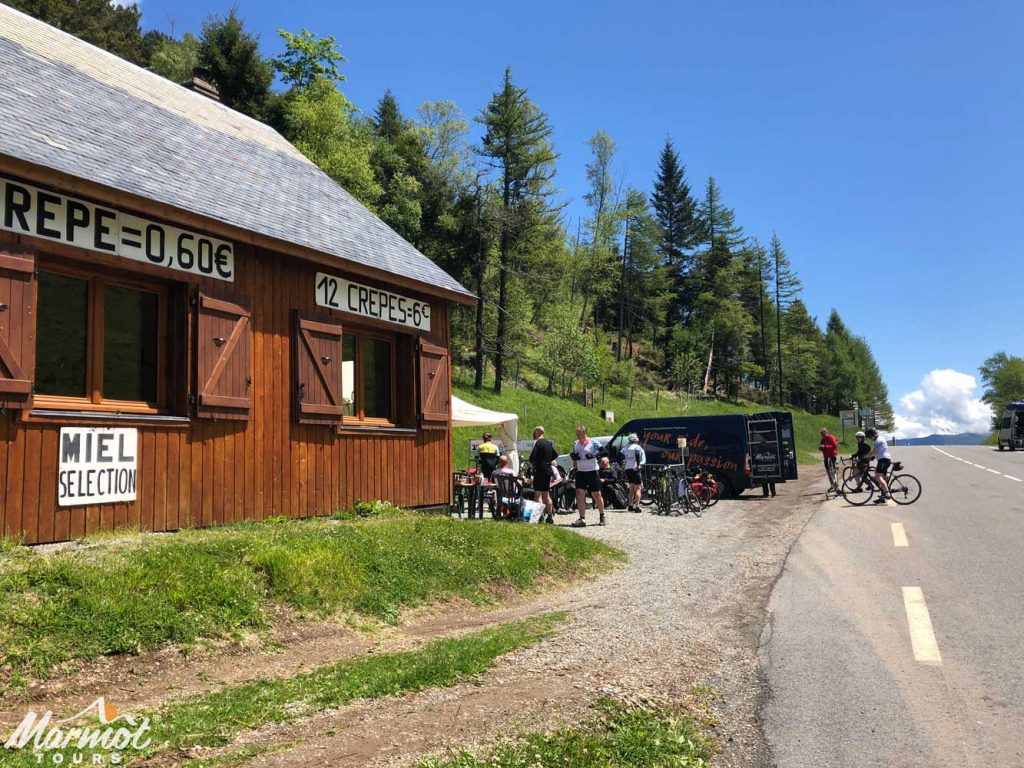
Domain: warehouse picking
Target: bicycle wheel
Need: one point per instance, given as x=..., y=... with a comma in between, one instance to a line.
x=905, y=489
x=663, y=494
x=858, y=490
x=697, y=502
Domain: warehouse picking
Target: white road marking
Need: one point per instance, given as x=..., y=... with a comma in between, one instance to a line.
x=922, y=638
x=899, y=535
x=979, y=466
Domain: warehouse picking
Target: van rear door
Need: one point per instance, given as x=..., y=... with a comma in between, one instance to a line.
x=788, y=439
x=766, y=455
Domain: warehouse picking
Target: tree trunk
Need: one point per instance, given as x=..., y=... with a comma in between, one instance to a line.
x=711, y=355
x=499, y=352
x=622, y=294
x=478, y=381
x=760, y=301
x=778, y=328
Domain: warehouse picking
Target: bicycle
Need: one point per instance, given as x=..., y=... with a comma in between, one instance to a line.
x=672, y=491
x=831, y=468
x=859, y=488
x=705, y=487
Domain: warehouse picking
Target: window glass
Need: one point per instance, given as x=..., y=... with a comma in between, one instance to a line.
x=348, y=373
x=62, y=326
x=376, y=379
x=130, y=344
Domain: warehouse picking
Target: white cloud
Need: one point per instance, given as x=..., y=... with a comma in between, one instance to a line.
x=945, y=404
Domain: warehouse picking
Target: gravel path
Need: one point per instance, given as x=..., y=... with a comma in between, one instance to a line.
x=686, y=610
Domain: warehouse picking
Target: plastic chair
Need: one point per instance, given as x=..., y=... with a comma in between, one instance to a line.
x=459, y=491
x=508, y=502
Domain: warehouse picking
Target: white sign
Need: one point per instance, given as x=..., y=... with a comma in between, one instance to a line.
x=31, y=211
x=337, y=293
x=97, y=465
x=848, y=418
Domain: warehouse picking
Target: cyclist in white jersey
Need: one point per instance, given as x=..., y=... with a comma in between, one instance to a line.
x=634, y=458
x=880, y=452
x=584, y=457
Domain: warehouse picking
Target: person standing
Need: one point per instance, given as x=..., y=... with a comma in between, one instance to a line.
x=634, y=458
x=829, y=448
x=488, y=453
x=541, y=458
x=584, y=459
x=883, y=460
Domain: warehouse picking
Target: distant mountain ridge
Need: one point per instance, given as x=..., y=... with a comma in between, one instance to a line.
x=967, y=438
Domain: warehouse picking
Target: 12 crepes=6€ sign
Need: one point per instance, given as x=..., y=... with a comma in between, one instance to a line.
x=376, y=303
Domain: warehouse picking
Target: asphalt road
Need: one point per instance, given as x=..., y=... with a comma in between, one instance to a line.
x=856, y=675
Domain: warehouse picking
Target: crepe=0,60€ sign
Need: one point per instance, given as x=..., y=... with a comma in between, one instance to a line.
x=32, y=211
x=337, y=293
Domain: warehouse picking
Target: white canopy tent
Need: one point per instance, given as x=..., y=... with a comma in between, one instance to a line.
x=468, y=415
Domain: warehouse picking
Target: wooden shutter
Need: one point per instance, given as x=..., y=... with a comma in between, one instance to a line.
x=17, y=327
x=435, y=394
x=223, y=359
x=318, y=385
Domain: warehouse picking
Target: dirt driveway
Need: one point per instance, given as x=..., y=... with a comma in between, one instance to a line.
x=687, y=610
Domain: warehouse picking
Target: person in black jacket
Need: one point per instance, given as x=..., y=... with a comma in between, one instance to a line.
x=541, y=457
x=861, y=456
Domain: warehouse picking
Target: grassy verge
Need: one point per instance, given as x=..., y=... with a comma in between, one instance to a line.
x=141, y=592
x=619, y=735
x=560, y=416
x=214, y=719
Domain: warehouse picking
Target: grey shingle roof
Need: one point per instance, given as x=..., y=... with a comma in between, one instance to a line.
x=71, y=107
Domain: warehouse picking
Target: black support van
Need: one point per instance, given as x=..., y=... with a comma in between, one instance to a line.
x=743, y=449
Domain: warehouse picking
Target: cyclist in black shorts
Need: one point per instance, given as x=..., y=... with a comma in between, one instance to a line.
x=541, y=456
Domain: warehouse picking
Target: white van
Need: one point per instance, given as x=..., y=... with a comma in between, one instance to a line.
x=1011, y=427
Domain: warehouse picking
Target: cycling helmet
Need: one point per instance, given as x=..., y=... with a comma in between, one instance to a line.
x=633, y=438
x=872, y=432
x=860, y=434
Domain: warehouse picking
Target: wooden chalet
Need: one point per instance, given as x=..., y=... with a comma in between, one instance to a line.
x=197, y=325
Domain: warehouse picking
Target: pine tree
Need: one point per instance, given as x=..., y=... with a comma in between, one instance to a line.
x=517, y=147
x=594, y=272
x=232, y=57
x=399, y=163
x=676, y=212
x=787, y=286
x=111, y=26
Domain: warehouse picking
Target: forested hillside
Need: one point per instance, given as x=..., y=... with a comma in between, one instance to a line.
x=658, y=286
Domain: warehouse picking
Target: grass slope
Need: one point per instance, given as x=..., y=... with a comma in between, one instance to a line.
x=214, y=719
x=144, y=591
x=560, y=416
x=619, y=735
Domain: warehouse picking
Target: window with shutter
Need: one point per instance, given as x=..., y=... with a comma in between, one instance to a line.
x=318, y=372
x=17, y=328
x=223, y=359
x=434, y=386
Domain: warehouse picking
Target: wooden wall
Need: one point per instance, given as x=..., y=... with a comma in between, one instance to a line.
x=212, y=472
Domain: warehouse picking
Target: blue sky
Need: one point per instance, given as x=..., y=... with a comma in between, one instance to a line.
x=883, y=141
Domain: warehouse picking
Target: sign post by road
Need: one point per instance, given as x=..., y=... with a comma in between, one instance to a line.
x=847, y=419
